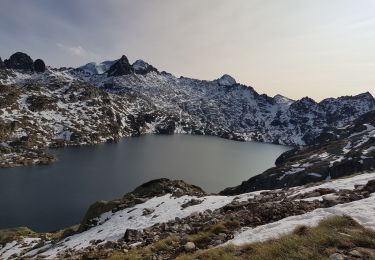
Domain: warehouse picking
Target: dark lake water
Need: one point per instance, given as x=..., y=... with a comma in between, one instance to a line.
x=51, y=197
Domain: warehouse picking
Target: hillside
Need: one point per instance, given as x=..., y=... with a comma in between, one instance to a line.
x=51, y=107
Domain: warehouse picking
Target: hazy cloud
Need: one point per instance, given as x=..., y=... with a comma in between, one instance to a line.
x=292, y=47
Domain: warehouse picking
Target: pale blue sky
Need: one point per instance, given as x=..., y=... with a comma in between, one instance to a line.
x=316, y=48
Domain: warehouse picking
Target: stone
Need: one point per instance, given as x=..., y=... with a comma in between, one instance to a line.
x=132, y=235
x=218, y=242
x=330, y=199
x=39, y=66
x=221, y=236
x=147, y=211
x=370, y=186
x=189, y=246
x=355, y=253
x=336, y=256
x=186, y=227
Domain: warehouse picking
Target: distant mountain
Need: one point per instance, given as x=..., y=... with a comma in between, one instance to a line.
x=103, y=102
x=93, y=68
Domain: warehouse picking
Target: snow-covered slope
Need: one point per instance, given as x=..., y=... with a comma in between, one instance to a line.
x=363, y=211
x=334, y=154
x=219, y=107
x=112, y=225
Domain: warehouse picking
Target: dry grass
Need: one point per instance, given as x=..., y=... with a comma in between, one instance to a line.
x=332, y=235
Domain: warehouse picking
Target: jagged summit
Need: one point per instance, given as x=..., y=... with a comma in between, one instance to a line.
x=120, y=67
x=226, y=80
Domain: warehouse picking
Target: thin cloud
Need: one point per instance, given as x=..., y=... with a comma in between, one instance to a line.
x=77, y=51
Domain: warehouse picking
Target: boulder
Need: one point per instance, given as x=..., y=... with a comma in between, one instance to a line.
x=132, y=235
x=336, y=256
x=189, y=246
x=121, y=67
x=39, y=66
x=20, y=61
x=370, y=186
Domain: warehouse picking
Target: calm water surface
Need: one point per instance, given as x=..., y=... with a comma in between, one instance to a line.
x=46, y=198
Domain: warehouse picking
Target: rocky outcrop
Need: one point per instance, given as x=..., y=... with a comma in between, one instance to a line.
x=39, y=66
x=120, y=68
x=2, y=65
x=20, y=61
x=141, y=67
x=40, y=103
x=154, y=188
x=212, y=228
x=342, y=152
x=226, y=80
x=164, y=186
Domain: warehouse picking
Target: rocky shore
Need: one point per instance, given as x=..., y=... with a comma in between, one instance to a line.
x=196, y=221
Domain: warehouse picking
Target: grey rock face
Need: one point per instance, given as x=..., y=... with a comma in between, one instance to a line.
x=141, y=67
x=20, y=61
x=39, y=66
x=121, y=67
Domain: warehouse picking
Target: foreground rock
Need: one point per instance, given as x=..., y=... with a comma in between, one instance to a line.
x=169, y=225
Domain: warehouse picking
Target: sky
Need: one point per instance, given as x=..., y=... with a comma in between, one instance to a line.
x=297, y=48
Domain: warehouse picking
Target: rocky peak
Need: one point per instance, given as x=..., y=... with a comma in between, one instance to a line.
x=121, y=67
x=226, y=80
x=39, y=66
x=304, y=103
x=2, y=65
x=279, y=99
x=20, y=61
x=366, y=95
x=142, y=67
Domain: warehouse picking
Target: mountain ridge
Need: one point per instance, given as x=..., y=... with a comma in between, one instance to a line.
x=73, y=106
